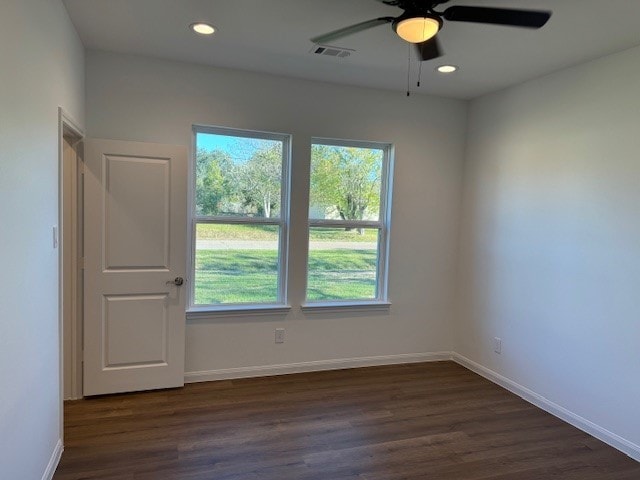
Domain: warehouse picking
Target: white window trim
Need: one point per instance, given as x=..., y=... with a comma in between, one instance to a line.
x=280, y=305
x=236, y=310
x=330, y=306
x=383, y=224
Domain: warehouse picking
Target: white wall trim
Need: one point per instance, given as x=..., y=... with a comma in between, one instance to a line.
x=53, y=461
x=66, y=124
x=608, y=437
x=314, y=366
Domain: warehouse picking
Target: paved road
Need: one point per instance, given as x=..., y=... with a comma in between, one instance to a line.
x=270, y=245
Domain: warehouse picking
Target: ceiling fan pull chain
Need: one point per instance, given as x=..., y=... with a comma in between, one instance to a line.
x=408, y=69
x=424, y=28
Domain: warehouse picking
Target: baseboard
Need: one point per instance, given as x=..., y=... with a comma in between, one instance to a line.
x=53, y=462
x=610, y=438
x=315, y=366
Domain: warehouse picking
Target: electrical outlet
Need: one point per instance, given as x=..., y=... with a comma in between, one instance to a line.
x=497, y=345
x=279, y=335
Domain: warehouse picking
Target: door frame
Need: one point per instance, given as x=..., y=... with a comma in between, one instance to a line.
x=68, y=127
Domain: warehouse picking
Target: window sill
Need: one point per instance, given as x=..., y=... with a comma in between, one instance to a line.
x=329, y=307
x=236, y=311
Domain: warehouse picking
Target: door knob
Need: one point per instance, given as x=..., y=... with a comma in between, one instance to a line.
x=176, y=281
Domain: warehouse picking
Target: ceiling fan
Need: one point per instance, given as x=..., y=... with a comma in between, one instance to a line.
x=420, y=22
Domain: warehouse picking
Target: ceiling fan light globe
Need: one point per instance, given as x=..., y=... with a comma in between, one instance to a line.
x=417, y=29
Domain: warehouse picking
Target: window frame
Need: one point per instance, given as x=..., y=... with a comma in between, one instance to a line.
x=383, y=225
x=280, y=304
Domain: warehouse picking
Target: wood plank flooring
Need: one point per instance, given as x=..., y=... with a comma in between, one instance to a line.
x=434, y=421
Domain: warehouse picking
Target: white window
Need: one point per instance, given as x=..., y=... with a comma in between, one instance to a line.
x=239, y=218
x=349, y=205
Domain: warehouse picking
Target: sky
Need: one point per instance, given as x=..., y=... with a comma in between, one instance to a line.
x=240, y=149
x=210, y=141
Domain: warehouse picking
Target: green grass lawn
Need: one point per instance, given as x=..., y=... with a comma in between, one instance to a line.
x=251, y=276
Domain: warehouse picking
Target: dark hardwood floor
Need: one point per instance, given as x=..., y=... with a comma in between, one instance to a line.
x=435, y=421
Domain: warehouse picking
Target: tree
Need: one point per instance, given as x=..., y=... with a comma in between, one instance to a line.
x=346, y=179
x=212, y=181
x=259, y=180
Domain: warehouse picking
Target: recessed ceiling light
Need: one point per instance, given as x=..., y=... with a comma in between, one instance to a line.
x=447, y=68
x=202, y=28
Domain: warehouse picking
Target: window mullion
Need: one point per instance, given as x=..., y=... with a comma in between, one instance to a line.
x=239, y=220
x=345, y=223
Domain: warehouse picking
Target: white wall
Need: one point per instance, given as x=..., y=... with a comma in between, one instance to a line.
x=137, y=98
x=550, y=244
x=42, y=67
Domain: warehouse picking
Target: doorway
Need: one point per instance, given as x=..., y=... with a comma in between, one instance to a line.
x=133, y=333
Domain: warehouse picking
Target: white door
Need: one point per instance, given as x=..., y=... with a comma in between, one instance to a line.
x=134, y=248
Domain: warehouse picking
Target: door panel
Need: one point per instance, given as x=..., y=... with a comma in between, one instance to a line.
x=135, y=245
x=135, y=329
x=137, y=220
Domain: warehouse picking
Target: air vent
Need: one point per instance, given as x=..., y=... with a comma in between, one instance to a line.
x=332, y=51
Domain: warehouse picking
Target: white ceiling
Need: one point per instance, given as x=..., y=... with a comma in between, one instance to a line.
x=272, y=36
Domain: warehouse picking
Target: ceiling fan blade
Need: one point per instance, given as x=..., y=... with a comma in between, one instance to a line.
x=429, y=50
x=350, y=30
x=498, y=16
x=398, y=3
